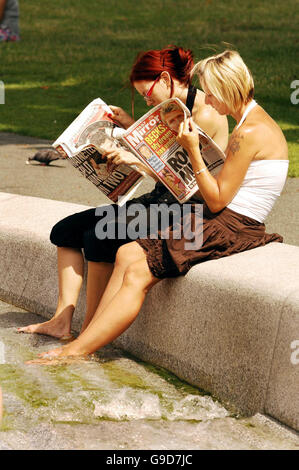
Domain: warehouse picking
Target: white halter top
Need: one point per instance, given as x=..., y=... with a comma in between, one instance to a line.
x=262, y=184
x=251, y=105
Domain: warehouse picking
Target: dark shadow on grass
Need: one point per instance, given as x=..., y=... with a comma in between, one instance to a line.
x=291, y=135
x=280, y=108
x=10, y=138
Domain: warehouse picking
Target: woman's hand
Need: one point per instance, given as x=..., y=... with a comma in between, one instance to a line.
x=188, y=135
x=120, y=156
x=121, y=117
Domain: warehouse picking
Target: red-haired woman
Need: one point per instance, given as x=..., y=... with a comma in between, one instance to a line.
x=157, y=75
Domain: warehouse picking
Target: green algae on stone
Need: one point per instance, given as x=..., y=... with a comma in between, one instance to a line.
x=123, y=377
x=171, y=378
x=15, y=380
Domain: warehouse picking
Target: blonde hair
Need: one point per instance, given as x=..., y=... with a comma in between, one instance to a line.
x=227, y=77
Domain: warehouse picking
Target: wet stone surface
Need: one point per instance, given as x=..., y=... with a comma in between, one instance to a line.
x=112, y=402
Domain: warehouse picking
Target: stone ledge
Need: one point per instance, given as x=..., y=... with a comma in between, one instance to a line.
x=282, y=396
x=225, y=327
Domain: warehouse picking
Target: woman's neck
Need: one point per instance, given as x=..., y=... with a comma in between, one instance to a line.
x=239, y=114
x=181, y=92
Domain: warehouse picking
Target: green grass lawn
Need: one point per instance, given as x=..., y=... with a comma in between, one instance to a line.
x=72, y=52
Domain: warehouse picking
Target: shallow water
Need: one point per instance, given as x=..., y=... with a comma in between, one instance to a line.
x=112, y=402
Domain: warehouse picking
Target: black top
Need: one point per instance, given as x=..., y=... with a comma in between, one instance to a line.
x=191, y=97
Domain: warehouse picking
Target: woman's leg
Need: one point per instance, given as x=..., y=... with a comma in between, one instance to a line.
x=119, y=314
x=119, y=309
x=98, y=276
x=70, y=277
x=69, y=235
x=126, y=255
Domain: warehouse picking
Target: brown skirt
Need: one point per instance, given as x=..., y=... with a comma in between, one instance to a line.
x=223, y=234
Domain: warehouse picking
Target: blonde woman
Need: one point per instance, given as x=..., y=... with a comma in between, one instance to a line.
x=237, y=201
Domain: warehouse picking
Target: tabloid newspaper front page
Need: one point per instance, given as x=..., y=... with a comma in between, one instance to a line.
x=84, y=141
x=152, y=139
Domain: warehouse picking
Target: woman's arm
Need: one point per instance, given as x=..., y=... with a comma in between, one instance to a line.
x=218, y=192
x=2, y=8
x=121, y=156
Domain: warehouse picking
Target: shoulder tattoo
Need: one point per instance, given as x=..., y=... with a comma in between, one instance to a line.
x=234, y=145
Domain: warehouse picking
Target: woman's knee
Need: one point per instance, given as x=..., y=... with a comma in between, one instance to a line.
x=58, y=233
x=127, y=254
x=138, y=276
x=96, y=250
x=68, y=231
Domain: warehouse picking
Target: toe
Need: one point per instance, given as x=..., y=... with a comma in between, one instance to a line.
x=50, y=354
x=24, y=329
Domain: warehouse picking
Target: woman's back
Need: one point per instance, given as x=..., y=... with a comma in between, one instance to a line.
x=270, y=143
x=267, y=172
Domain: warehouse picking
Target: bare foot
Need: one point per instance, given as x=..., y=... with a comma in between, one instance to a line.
x=64, y=355
x=52, y=353
x=56, y=327
x=59, y=361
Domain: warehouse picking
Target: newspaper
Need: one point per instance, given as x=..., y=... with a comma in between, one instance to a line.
x=83, y=143
x=153, y=140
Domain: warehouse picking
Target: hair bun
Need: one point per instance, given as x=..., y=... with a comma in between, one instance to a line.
x=178, y=62
x=183, y=59
x=186, y=55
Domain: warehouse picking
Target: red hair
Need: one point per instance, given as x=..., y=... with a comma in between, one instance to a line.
x=178, y=62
